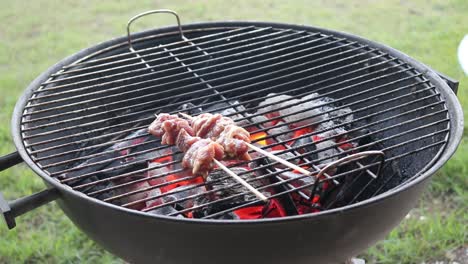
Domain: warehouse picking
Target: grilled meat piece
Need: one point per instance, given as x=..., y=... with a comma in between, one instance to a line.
x=210, y=126
x=168, y=126
x=224, y=131
x=215, y=136
x=234, y=139
x=199, y=153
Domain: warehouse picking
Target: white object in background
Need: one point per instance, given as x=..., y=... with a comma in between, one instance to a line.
x=463, y=54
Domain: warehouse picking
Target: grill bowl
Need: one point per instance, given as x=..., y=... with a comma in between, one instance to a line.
x=139, y=237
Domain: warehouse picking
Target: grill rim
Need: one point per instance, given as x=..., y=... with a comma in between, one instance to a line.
x=453, y=106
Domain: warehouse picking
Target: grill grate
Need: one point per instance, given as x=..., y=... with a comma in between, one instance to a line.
x=76, y=116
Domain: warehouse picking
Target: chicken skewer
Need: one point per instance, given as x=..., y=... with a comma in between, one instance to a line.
x=230, y=127
x=200, y=153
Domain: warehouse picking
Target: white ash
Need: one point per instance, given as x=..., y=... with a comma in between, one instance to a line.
x=157, y=169
x=194, y=110
x=292, y=109
x=300, y=113
x=232, y=109
x=237, y=111
x=334, y=121
x=273, y=102
x=283, y=131
x=154, y=193
x=261, y=120
x=308, y=108
x=330, y=154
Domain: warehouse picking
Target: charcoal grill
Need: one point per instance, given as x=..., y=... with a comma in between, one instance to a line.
x=78, y=117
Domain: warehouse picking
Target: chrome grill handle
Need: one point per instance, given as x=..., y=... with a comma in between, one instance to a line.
x=158, y=11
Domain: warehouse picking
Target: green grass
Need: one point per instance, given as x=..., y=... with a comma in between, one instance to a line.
x=36, y=34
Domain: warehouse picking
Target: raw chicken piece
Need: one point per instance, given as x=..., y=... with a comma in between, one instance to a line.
x=199, y=153
x=224, y=131
x=168, y=126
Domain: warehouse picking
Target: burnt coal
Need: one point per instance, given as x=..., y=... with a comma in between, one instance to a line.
x=215, y=183
x=166, y=210
x=117, y=150
x=224, y=189
x=181, y=193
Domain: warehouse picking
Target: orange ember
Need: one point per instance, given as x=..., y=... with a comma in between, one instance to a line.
x=258, y=136
x=302, y=132
x=175, y=177
x=165, y=159
x=273, y=118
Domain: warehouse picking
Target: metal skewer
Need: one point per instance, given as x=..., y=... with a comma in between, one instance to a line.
x=278, y=159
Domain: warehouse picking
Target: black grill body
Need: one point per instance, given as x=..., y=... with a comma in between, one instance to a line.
x=330, y=236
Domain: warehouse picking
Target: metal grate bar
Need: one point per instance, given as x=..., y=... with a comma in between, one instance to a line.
x=154, y=101
x=139, y=76
x=250, y=93
x=289, y=159
x=100, y=60
x=236, y=97
x=292, y=113
x=165, y=50
x=242, y=163
x=101, y=129
x=311, y=152
x=347, y=105
x=305, y=154
x=229, y=69
x=83, y=125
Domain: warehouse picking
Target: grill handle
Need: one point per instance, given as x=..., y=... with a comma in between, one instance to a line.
x=158, y=11
x=15, y=208
x=452, y=83
x=10, y=160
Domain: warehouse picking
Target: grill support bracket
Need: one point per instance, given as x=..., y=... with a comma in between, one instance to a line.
x=13, y=209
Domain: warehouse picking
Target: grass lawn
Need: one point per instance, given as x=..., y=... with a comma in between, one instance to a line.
x=36, y=34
